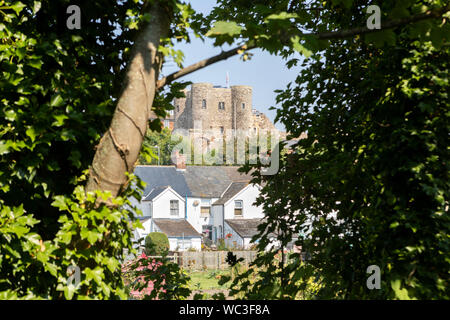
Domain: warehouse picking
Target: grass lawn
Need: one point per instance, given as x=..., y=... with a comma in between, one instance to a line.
x=206, y=280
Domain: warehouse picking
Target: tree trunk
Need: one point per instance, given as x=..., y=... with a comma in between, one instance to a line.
x=119, y=147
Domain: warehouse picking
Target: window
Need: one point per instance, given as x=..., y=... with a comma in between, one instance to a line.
x=238, y=207
x=166, y=123
x=221, y=129
x=243, y=106
x=174, y=207
x=178, y=108
x=205, y=208
x=204, y=104
x=221, y=105
x=171, y=112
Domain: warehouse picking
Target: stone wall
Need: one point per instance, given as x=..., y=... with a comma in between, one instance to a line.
x=236, y=112
x=261, y=121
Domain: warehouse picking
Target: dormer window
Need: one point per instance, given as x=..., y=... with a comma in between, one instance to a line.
x=221, y=105
x=204, y=104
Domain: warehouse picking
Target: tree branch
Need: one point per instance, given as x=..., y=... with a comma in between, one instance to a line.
x=431, y=14
x=201, y=64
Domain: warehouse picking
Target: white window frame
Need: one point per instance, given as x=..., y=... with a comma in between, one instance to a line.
x=237, y=207
x=205, y=203
x=174, y=208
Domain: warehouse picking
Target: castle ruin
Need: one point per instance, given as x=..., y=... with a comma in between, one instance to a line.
x=219, y=108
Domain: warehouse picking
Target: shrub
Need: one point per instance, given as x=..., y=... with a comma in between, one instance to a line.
x=155, y=279
x=156, y=244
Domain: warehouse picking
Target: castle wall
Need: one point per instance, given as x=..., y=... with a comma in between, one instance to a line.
x=242, y=101
x=200, y=92
x=237, y=112
x=182, y=110
x=260, y=121
x=219, y=117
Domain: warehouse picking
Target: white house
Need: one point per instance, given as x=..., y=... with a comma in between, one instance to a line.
x=165, y=211
x=235, y=216
x=206, y=199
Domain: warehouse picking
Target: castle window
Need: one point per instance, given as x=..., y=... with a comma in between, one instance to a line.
x=178, y=108
x=204, y=104
x=221, y=105
x=243, y=106
x=221, y=129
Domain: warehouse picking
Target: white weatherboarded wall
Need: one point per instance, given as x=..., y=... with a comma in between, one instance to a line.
x=161, y=205
x=194, y=215
x=248, y=196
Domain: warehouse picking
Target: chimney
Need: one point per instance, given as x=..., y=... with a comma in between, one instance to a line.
x=179, y=161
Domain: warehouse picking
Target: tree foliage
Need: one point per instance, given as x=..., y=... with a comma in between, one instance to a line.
x=375, y=107
x=157, y=244
x=161, y=143
x=57, y=90
x=369, y=185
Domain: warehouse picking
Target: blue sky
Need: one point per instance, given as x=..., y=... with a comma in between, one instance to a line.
x=264, y=72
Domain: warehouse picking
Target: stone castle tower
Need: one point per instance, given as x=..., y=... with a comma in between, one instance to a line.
x=219, y=108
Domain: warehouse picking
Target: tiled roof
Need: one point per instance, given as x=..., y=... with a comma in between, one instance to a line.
x=159, y=176
x=195, y=181
x=246, y=228
x=176, y=228
x=154, y=193
x=233, y=189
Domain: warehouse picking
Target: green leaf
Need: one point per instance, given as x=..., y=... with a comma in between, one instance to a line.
x=401, y=294
x=60, y=203
x=4, y=148
x=230, y=28
x=36, y=6
x=281, y=16
x=59, y=120
x=299, y=47
x=96, y=274
x=31, y=133
x=69, y=291
x=33, y=238
x=56, y=101
x=18, y=7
